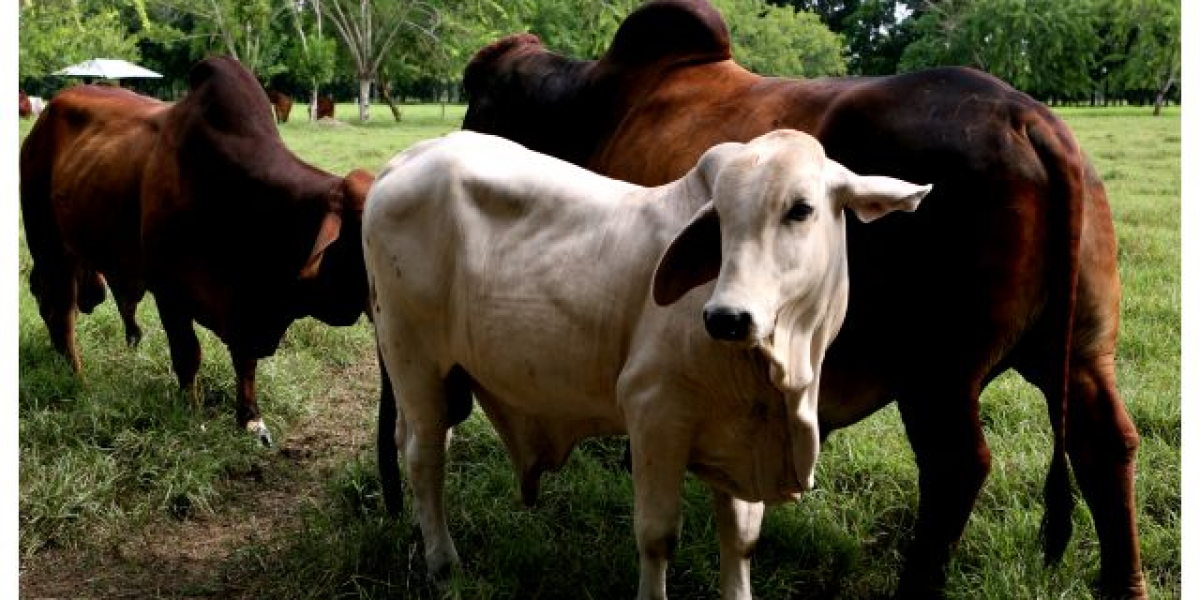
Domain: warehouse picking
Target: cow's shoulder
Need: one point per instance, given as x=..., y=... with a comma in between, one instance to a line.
x=671, y=30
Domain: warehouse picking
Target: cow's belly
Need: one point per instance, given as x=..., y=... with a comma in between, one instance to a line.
x=533, y=358
x=848, y=395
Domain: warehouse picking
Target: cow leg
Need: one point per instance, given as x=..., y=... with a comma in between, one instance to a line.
x=423, y=431
x=738, y=525
x=657, y=484
x=55, y=290
x=387, y=442
x=1102, y=444
x=953, y=460
x=185, y=348
x=248, y=415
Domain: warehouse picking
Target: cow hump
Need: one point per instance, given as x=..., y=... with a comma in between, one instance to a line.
x=486, y=58
x=230, y=98
x=671, y=30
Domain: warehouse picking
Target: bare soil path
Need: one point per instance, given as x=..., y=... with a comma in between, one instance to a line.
x=200, y=556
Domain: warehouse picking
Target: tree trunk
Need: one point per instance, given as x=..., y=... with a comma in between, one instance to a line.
x=312, y=106
x=364, y=98
x=1161, y=96
x=386, y=93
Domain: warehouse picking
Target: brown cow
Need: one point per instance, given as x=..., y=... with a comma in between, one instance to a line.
x=1011, y=263
x=200, y=203
x=24, y=107
x=325, y=107
x=281, y=103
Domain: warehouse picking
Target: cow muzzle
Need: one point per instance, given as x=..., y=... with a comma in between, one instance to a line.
x=728, y=324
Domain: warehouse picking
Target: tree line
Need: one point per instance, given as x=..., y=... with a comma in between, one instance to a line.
x=1059, y=51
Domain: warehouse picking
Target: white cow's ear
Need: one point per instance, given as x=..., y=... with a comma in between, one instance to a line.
x=693, y=258
x=873, y=196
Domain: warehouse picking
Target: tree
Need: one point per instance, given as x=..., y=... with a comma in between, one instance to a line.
x=875, y=31
x=57, y=33
x=1045, y=47
x=311, y=56
x=244, y=29
x=781, y=41
x=577, y=29
x=1145, y=36
x=370, y=28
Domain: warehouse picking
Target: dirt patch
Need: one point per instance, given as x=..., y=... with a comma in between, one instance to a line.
x=193, y=558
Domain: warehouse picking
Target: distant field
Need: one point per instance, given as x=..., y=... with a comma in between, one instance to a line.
x=126, y=491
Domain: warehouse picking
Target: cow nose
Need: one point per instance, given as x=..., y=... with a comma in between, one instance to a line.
x=727, y=324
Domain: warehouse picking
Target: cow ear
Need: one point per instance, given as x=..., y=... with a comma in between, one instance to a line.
x=693, y=258
x=356, y=185
x=871, y=197
x=331, y=228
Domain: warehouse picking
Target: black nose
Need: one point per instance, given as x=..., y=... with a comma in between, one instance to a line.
x=727, y=324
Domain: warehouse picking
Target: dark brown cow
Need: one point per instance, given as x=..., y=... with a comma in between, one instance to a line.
x=24, y=107
x=325, y=107
x=1010, y=263
x=200, y=203
x=281, y=103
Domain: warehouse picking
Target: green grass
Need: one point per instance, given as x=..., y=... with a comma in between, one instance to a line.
x=121, y=454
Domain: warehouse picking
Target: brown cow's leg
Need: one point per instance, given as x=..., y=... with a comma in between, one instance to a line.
x=185, y=348
x=61, y=323
x=247, y=406
x=953, y=460
x=55, y=290
x=1102, y=443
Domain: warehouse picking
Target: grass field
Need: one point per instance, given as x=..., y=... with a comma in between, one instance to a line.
x=126, y=491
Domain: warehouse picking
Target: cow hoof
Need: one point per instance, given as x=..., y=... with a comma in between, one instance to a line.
x=258, y=428
x=133, y=339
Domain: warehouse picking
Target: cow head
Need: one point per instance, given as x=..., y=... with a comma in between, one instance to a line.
x=335, y=276
x=773, y=234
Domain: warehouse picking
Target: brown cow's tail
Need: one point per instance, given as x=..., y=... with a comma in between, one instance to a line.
x=385, y=444
x=1064, y=164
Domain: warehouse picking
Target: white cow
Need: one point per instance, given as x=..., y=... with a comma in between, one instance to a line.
x=561, y=299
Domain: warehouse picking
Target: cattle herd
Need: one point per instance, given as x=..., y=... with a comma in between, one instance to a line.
x=657, y=244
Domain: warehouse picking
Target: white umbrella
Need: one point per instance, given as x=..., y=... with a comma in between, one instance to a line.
x=107, y=68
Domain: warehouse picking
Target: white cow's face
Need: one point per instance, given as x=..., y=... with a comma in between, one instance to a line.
x=776, y=218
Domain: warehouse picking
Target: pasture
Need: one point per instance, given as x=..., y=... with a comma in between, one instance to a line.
x=127, y=491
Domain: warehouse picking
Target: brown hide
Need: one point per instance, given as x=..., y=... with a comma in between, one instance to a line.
x=81, y=174
x=200, y=203
x=281, y=103
x=324, y=107
x=24, y=107
x=1010, y=263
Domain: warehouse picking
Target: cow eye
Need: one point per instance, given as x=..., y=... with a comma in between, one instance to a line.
x=799, y=212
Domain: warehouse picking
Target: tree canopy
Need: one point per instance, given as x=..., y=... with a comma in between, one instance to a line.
x=1057, y=50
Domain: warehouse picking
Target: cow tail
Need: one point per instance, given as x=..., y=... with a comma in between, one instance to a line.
x=385, y=444
x=1064, y=164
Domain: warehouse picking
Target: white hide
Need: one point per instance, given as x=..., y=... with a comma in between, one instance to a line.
x=543, y=282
